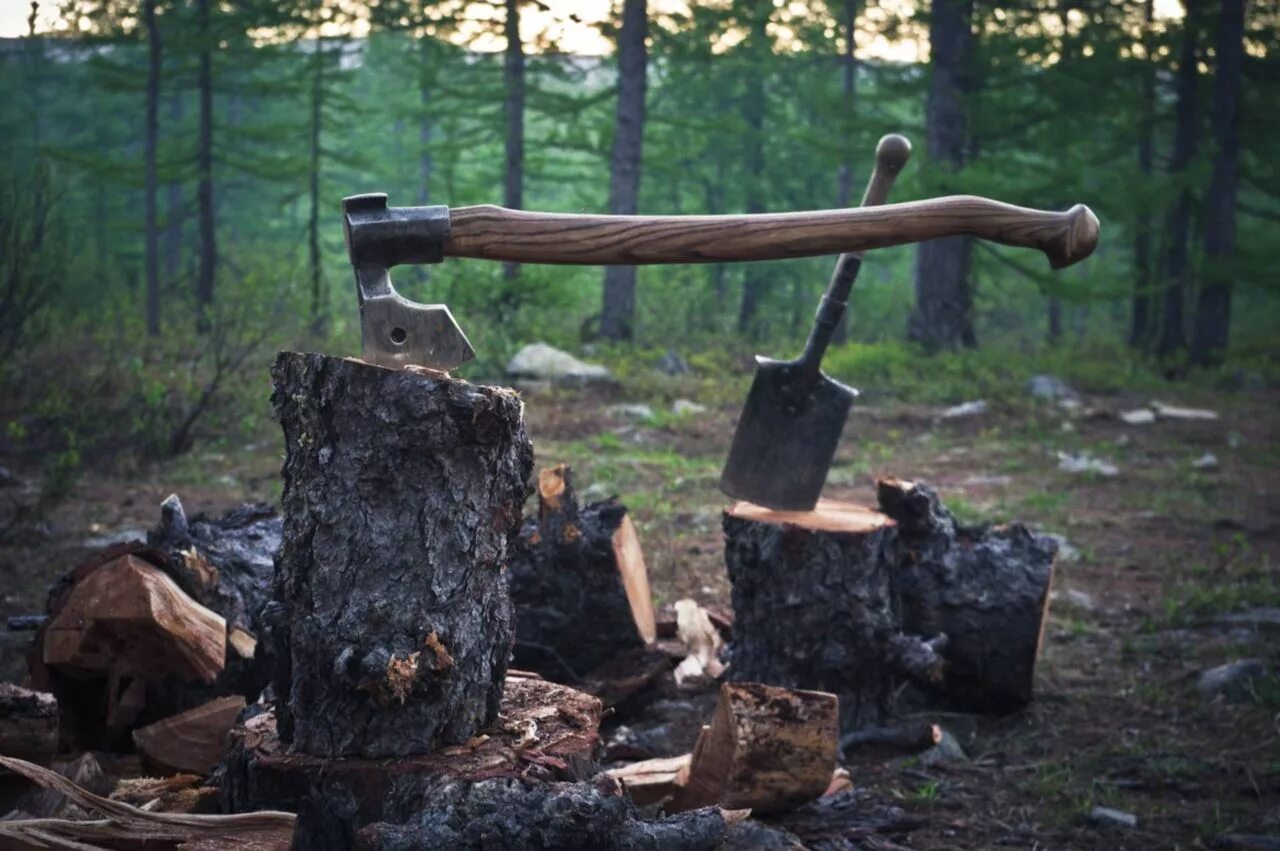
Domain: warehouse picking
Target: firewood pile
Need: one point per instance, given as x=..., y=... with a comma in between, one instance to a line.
x=403, y=659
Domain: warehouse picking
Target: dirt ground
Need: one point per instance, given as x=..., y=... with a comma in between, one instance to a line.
x=1160, y=555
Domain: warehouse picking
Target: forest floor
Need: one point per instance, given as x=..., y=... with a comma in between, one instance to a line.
x=1159, y=554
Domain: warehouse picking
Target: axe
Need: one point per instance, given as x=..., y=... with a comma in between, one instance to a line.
x=396, y=332
x=794, y=413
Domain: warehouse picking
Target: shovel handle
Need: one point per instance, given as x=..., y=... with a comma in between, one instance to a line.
x=517, y=236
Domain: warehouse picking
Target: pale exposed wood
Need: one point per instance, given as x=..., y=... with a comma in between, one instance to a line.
x=243, y=642
x=828, y=515
x=652, y=781
x=635, y=578
x=497, y=233
x=128, y=617
x=192, y=741
x=767, y=749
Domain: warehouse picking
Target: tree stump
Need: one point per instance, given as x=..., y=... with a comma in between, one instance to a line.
x=546, y=732
x=579, y=584
x=813, y=603
x=402, y=496
x=985, y=587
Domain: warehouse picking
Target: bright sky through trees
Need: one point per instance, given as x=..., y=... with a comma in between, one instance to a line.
x=570, y=23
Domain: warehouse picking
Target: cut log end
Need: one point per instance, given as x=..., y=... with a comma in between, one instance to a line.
x=192, y=741
x=827, y=516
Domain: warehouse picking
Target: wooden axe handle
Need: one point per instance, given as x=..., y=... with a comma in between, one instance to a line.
x=517, y=236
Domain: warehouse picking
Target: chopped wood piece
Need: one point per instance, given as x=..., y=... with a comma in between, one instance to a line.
x=243, y=642
x=403, y=492
x=178, y=793
x=653, y=781
x=28, y=723
x=128, y=617
x=544, y=732
x=986, y=588
x=891, y=740
x=766, y=749
x=635, y=578
x=191, y=742
x=813, y=603
x=701, y=641
x=579, y=584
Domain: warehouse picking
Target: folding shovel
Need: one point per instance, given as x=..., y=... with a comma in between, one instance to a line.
x=794, y=413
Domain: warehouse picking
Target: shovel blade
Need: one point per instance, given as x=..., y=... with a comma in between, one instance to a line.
x=786, y=438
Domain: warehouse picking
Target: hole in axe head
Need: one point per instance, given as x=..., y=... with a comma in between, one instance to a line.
x=398, y=336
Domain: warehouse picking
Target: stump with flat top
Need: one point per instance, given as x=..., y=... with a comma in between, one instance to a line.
x=402, y=498
x=812, y=602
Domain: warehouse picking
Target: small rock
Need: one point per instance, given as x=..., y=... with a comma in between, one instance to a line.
x=110, y=539
x=1259, y=620
x=1066, y=552
x=1171, y=412
x=1138, y=416
x=968, y=409
x=1108, y=817
x=539, y=360
x=1207, y=461
x=1084, y=462
x=1051, y=388
x=684, y=407
x=947, y=750
x=982, y=480
x=672, y=364
x=595, y=492
x=1070, y=404
x=1234, y=681
x=1235, y=439
x=1081, y=599
x=637, y=411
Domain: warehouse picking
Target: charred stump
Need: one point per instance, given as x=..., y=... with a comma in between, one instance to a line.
x=985, y=587
x=402, y=497
x=579, y=585
x=812, y=601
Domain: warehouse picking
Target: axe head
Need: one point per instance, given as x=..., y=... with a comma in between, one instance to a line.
x=394, y=331
x=787, y=436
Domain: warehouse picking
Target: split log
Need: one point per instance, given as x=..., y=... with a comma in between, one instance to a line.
x=28, y=724
x=130, y=619
x=985, y=587
x=813, y=603
x=402, y=497
x=766, y=749
x=898, y=739
x=191, y=741
x=546, y=732
x=579, y=584
x=653, y=781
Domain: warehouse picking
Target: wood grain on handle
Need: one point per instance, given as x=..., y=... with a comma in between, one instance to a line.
x=496, y=233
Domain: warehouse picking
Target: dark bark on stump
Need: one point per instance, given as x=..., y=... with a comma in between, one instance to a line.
x=402, y=497
x=572, y=613
x=813, y=604
x=512, y=815
x=985, y=587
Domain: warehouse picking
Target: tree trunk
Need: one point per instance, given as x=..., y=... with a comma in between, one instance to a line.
x=943, y=315
x=402, y=499
x=204, y=168
x=150, y=184
x=513, y=75
x=849, y=87
x=755, y=278
x=617, y=312
x=174, y=212
x=1213, y=310
x=319, y=308
x=1185, y=142
x=1141, y=325
x=1055, y=320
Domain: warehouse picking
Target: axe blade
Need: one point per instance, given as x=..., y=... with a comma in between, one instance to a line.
x=396, y=332
x=786, y=437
